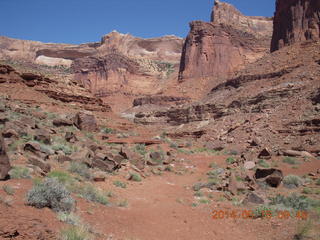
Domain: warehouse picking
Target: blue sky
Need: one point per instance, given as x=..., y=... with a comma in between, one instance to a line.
x=80, y=21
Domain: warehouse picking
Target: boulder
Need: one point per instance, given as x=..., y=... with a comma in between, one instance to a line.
x=265, y=154
x=42, y=135
x=273, y=177
x=62, y=122
x=133, y=157
x=104, y=165
x=253, y=197
x=249, y=165
x=293, y=153
x=4, y=161
x=85, y=121
x=10, y=133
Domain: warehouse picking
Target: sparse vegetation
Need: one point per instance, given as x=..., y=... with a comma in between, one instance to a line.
x=290, y=160
x=19, y=172
x=263, y=163
x=8, y=189
x=52, y=194
x=123, y=203
x=107, y=130
x=62, y=177
x=81, y=169
x=141, y=149
x=75, y=233
x=307, y=191
x=292, y=181
x=303, y=230
x=230, y=160
x=90, y=193
x=135, y=177
x=120, y=184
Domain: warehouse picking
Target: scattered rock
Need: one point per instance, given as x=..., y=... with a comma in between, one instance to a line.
x=265, y=154
x=4, y=161
x=104, y=165
x=99, y=176
x=9, y=133
x=62, y=122
x=32, y=147
x=43, y=136
x=85, y=121
x=253, y=197
x=85, y=156
x=45, y=167
x=3, y=119
x=62, y=159
x=234, y=186
x=70, y=137
x=249, y=165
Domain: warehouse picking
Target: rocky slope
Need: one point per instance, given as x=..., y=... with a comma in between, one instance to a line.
x=295, y=21
x=226, y=44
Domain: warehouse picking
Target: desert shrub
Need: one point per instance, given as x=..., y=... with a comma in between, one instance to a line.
x=107, y=130
x=140, y=148
x=18, y=172
x=123, y=203
x=293, y=201
x=8, y=189
x=230, y=160
x=303, y=230
x=90, y=193
x=62, y=177
x=135, y=177
x=199, y=194
x=52, y=194
x=307, y=191
x=81, y=169
x=263, y=211
x=69, y=218
x=290, y=160
x=318, y=182
x=292, y=181
x=75, y=233
x=119, y=184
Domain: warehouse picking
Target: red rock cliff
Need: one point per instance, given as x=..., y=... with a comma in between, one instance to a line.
x=224, y=45
x=295, y=21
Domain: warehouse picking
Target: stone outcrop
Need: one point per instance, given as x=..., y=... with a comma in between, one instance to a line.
x=4, y=161
x=224, y=45
x=226, y=14
x=295, y=21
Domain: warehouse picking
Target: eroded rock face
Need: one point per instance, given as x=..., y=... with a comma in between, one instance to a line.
x=295, y=21
x=224, y=45
x=226, y=14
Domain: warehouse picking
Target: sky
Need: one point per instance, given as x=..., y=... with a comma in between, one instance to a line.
x=81, y=21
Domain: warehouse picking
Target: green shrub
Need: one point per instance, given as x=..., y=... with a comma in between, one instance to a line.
x=307, y=191
x=230, y=160
x=292, y=181
x=199, y=194
x=107, y=130
x=263, y=211
x=318, y=182
x=263, y=163
x=120, y=184
x=81, y=169
x=8, y=189
x=52, y=194
x=90, y=193
x=290, y=160
x=18, y=172
x=135, y=177
x=75, y=233
x=66, y=148
x=62, y=177
x=303, y=230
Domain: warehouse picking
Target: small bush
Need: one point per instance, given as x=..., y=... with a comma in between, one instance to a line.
x=263, y=211
x=107, y=130
x=140, y=148
x=8, y=189
x=52, y=194
x=90, y=193
x=199, y=194
x=123, y=203
x=19, y=173
x=230, y=160
x=318, y=182
x=290, y=160
x=135, y=177
x=75, y=233
x=292, y=181
x=81, y=169
x=120, y=184
x=303, y=230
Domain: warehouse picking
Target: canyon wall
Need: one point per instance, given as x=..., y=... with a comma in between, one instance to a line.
x=295, y=21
